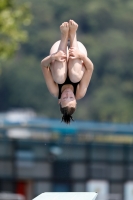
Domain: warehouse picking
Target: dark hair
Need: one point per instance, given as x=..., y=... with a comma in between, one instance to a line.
x=67, y=112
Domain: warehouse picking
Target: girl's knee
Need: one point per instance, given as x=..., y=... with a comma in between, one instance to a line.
x=76, y=72
x=60, y=78
x=75, y=77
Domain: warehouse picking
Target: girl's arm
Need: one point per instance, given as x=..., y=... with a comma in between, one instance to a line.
x=45, y=63
x=84, y=83
x=59, y=56
x=51, y=85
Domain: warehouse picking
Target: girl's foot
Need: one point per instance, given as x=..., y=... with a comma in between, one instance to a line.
x=73, y=26
x=64, y=28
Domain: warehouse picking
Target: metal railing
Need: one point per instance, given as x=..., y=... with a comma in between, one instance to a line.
x=10, y=196
x=109, y=197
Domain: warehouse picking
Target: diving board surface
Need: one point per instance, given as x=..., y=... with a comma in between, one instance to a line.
x=67, y=196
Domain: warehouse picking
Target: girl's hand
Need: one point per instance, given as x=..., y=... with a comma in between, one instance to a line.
x=59, y=56
x=74, y=53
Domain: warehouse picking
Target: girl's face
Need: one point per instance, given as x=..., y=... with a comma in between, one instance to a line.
x=67, y=98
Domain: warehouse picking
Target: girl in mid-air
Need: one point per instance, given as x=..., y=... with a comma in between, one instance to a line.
x=67, y=70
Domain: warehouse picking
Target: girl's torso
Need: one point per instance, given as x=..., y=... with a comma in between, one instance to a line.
x=67, y=82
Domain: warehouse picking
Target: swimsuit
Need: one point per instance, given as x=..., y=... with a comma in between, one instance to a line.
x=67, y=81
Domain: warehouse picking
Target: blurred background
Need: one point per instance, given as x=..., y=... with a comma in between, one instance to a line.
x=40, y=154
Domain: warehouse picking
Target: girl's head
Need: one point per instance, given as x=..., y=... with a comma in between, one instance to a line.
x=67, y=105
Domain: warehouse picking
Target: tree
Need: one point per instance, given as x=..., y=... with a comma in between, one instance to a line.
x=13, y=18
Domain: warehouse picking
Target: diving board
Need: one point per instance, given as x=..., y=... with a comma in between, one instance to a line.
x=67, y=196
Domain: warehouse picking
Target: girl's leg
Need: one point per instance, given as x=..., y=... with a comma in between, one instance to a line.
x=59, y=69
x=76, y=68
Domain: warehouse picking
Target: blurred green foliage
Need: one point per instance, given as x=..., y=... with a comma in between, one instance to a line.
x=106, y=29
x=12, y=18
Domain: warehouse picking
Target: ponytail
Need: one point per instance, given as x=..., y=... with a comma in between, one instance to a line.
x=67, y=112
